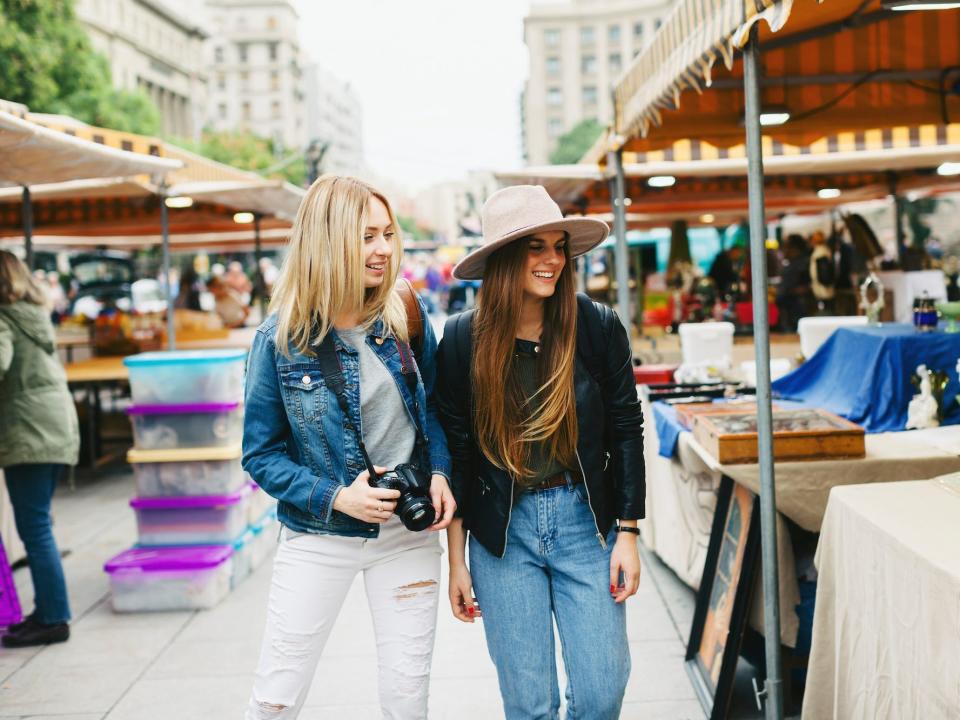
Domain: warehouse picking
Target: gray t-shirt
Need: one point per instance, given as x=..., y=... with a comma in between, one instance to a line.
x=387, y=429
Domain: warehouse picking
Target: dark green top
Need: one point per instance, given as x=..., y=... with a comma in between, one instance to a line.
x=541, y=462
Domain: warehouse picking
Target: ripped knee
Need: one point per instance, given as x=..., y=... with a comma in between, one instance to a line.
x=417, y=589
x=270, y=710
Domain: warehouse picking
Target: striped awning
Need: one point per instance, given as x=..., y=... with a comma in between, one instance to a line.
x=711, y=181
x=833, y=65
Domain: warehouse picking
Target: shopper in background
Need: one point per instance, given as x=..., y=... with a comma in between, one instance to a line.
x=231, y=309
x=39, y=437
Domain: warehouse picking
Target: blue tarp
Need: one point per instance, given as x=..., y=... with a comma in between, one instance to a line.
x=863, y=374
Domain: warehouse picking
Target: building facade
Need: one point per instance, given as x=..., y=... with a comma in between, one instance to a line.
x=152, y=46
x=577, y=50
x=335, y=121
x=451, y=210
x=257, y=70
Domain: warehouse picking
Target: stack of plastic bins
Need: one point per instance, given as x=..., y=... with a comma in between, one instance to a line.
x=192, y=494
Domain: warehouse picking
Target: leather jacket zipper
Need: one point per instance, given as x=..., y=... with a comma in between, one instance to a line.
x=506, y=530
x=596, y=525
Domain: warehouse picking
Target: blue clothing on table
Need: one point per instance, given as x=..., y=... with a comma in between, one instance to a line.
x=863, y=374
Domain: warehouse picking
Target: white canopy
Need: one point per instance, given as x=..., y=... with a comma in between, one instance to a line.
x=31, y=155
x=265, y=197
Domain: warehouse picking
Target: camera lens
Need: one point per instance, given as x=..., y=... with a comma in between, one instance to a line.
x=415, y=512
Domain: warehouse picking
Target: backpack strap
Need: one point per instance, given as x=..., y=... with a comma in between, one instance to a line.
x=458, y=332
x=414, y=319
x=590, y=340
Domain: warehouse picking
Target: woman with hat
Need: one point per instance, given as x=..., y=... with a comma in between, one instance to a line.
x=537, y=397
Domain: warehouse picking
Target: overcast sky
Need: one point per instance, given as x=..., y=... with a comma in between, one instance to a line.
x=439, y=80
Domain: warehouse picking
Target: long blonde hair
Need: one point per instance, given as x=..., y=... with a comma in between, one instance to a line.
x=506, y=422
x=17, y=284
x=322, y=275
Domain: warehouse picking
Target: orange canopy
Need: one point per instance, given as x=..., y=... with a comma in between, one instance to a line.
x=833, y=66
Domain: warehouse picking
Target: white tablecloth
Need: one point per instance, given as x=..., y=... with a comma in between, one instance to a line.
x=886, y=633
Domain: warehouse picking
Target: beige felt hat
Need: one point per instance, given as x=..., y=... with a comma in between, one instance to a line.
x=520, y=211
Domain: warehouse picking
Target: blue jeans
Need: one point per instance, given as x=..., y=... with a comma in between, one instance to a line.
x=554, y=568
x=31, y=488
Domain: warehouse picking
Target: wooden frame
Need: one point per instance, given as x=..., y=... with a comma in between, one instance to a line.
x=723, y=599
x=805, y=434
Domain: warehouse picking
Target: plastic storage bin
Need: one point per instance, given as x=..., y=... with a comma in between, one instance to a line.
x=260, y=504
x=193, y=471
x=265, y=536
x=815, y=331
x=164, y=427
x=242, y=563
x=183, y=578
x=179, y=377
x=206, y=520
x=709, y=342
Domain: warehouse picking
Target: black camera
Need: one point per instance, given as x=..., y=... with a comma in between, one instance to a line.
x=414, y=505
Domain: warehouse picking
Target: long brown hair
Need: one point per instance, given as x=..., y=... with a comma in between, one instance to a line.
x=17, y=284
x=506, y=422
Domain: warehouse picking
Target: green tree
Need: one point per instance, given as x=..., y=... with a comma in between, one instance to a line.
x=573, y=145
x=250, y=152
x=49, y=65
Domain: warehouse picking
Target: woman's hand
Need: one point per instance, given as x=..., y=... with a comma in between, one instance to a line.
x=465, y=607
x=625, y=559
x=363, y=502
x=443, y=501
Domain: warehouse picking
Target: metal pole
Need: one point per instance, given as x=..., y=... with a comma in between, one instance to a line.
x=27, y=211
x=257, y=253
x=621, y=253
x=165, y=238
x=773, y=689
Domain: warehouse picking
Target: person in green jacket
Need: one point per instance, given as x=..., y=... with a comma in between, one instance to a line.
x=39, y=437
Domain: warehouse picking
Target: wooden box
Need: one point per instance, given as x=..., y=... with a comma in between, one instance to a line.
x=811, y=434
x=687, y=412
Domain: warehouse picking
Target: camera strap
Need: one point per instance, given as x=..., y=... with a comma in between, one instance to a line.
x=333, y=376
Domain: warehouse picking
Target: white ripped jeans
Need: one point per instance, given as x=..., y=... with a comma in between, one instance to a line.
x=311, y=577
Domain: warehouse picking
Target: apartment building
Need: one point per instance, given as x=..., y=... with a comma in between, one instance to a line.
x=578, y=49
x=153, y=46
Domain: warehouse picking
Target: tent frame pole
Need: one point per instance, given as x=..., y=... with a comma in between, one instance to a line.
x=165, y=242
x=622, y=252
x=258, y=254
x=773, y=685
x=26, y=209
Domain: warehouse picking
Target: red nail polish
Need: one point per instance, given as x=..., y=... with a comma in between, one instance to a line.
x=470, y=610
x=612, y=589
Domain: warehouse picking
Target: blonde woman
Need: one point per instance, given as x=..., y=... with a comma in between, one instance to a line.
x=333, y=389
x=39, y=437
x=537, y=396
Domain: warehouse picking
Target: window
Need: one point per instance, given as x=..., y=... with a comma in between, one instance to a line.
x=638, y=30
x=613, y=33
x=551, y=38
x=274, y=80
x=245, y=80
x=218, y=54
x=275, y=109
x=588, y=64
x=271, y=23
x=589, y=94
x=222, y=108
x=553, y=66
x=616, y=63
x=554, y=96
x=273, y=51
x=587, y=35
x=656, y=24
x=246, y=110
x=554, y=127
x=242, y=51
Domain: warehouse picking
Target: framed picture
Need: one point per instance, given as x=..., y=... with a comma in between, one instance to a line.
x=724, y=597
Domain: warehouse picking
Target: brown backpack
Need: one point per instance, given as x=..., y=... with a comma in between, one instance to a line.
x=414, y=320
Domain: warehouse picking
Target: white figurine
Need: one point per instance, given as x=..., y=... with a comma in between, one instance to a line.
x=922, y=410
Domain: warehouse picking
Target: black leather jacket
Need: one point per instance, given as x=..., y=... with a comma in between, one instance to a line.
x=609, y=447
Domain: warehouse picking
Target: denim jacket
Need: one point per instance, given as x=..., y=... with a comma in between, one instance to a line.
x=295, y=445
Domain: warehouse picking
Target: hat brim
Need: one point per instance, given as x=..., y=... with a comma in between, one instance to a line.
x=584, y=234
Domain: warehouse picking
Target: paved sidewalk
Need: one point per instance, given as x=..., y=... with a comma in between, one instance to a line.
x=198, y=665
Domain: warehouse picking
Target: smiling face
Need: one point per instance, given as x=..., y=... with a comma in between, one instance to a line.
x=546, y=258
x=378, y=238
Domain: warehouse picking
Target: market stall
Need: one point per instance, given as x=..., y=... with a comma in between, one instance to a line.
x=886, y=634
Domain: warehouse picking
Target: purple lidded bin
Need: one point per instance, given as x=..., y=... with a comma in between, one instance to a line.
x=190, y=425
x=201, y=557
x=191, y=520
